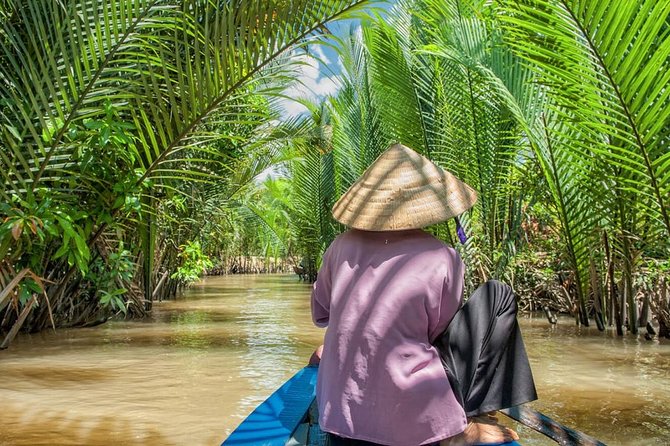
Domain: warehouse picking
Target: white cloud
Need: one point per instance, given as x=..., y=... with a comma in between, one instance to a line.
x=313, y=82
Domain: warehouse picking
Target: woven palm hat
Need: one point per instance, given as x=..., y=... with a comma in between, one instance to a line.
x=402, y=190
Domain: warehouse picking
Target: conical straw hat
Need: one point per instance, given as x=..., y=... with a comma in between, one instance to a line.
x=402, y=190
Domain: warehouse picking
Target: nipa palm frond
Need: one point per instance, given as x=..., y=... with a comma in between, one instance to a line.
x=607, y=65
x=166, y=67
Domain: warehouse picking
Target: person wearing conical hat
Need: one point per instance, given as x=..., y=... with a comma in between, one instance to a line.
x=391, y=372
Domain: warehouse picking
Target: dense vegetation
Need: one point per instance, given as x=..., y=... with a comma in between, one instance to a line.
x=131, y=139
x=128, y=128
x=557, y=112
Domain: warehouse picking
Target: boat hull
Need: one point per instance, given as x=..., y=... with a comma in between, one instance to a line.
x=288, y=417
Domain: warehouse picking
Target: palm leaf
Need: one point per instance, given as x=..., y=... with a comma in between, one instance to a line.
x=167, y=66
x=168, y=73
x=358, y=134
x=606, y=66
x=471, y=125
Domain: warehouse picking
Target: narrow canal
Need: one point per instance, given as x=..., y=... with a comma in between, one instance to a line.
x=190, y=374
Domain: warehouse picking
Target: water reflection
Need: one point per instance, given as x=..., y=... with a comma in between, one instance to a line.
x=191, y=329
x=191, y=373
x=614, y=388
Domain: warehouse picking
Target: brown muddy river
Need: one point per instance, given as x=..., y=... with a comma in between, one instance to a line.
x=193, y=371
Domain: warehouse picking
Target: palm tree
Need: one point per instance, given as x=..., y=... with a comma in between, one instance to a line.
x=108, y=105
x=428, y=77
x=498, y=91
x=604, y=68
x=312, y=174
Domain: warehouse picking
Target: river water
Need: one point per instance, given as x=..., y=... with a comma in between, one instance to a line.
x=192, y=372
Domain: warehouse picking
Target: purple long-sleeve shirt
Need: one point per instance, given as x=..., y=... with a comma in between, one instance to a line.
x=384, y=296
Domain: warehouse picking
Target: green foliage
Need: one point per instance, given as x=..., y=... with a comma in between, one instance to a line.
x=270, y=205
x=434, y=76
x=194, y=263
x=27, y=288
x=146, y=123
x=32, y=225
x=313, y=182
x=132, y=110
x=602, y=141
x=108, y=277
x=555, y=112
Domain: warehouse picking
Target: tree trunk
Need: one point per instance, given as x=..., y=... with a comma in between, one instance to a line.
x=612, y=289
x=19, y=322
x=628, y=286
x=597, y=295
x=644, y=313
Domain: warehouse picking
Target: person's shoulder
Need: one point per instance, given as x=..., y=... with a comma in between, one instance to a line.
x=345, y=236
x=431, y=239
x=441, y=246
x=343, y=239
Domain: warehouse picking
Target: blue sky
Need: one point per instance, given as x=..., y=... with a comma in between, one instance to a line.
x=317, y=77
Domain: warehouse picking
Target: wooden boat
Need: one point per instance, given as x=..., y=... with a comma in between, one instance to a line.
x=288, y=417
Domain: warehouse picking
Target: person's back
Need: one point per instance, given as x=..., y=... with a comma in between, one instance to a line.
x=385, y=296
x=391, y=370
